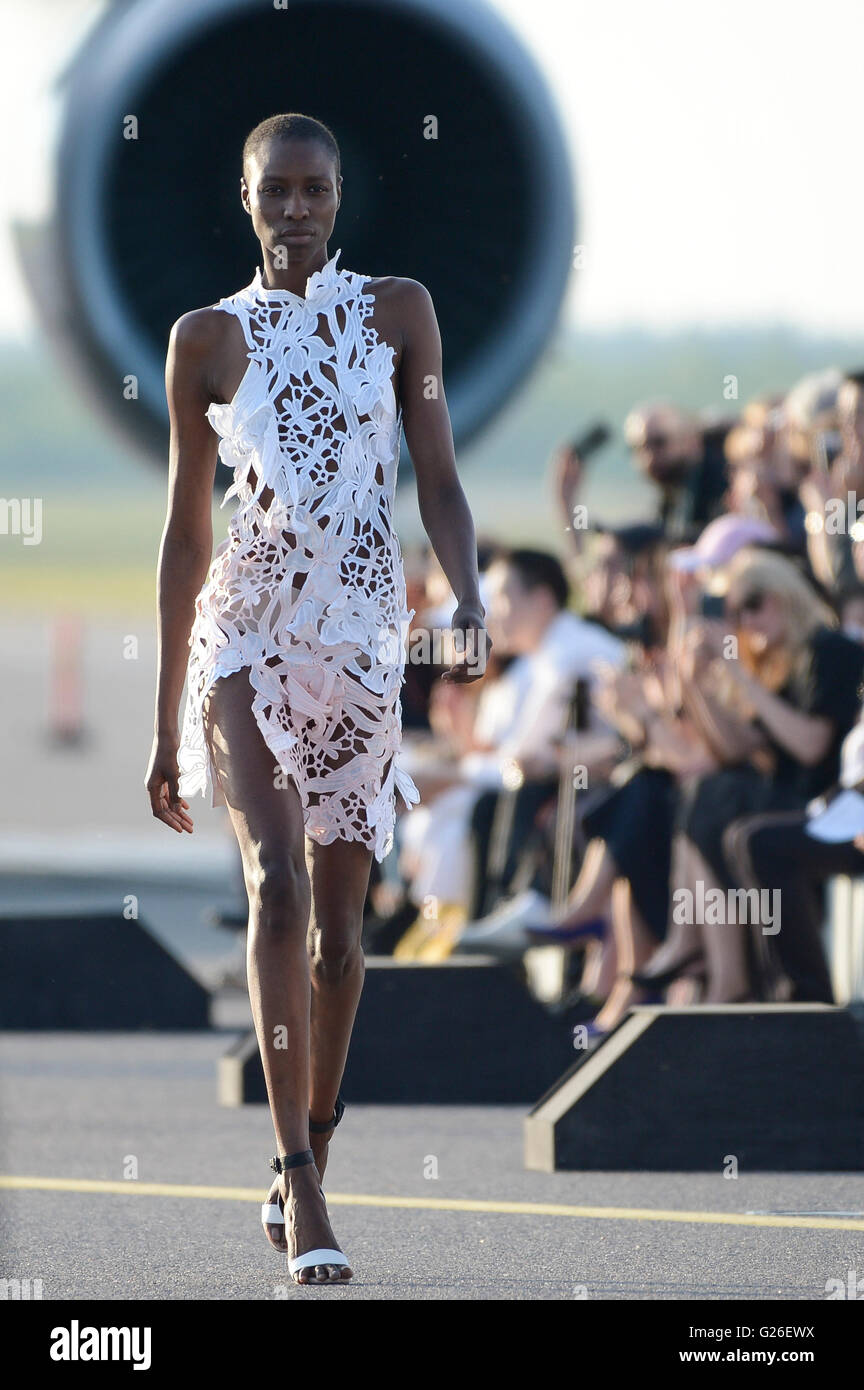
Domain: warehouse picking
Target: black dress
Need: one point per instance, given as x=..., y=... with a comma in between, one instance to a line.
x=829, y=684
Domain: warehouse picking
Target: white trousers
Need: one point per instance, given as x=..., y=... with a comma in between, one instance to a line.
x=436, y=837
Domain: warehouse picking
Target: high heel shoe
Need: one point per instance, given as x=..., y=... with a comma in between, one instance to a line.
x=662, y=978
x=310, y=1259
x=273, y=1215
x=595, y=1032
x=554, y=936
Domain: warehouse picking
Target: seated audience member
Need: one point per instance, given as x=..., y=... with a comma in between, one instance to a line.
x=723, y=699
x=518, y=720
x=775, y=716
x=793, y=855
x=618, y=904
x=623, y=880
x=641, y=550
x=621, y=894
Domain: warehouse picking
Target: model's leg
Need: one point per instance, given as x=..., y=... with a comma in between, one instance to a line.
x=339, y=873
x=267, y=820
x=335, y=761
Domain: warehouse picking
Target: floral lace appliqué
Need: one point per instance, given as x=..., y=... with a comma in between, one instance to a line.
x=307, y=590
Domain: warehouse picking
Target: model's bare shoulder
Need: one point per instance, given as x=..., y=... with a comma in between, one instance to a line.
x=199, y=331
x=413, y=298
x=403, y=308
x=202, y=346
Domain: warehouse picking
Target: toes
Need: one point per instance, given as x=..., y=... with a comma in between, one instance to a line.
x=276, y=1237
x=323, y=1274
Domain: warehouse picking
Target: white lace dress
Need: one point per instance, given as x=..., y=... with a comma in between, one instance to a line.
x=307, y=591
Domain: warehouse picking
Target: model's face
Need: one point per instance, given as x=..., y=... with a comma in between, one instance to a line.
x=290, y=186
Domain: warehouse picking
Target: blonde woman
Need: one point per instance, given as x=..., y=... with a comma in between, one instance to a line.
x=774, y=688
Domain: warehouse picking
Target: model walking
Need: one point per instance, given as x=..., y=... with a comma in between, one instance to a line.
x=293, y=712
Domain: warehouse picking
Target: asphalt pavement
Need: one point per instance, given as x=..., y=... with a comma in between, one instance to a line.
x=162, y=1190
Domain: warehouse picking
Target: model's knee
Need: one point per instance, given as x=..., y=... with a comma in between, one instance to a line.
x=335, y=950
x=278, y=888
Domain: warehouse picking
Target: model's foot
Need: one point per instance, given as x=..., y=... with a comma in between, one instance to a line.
x=319, y=1144
x=307, y=1226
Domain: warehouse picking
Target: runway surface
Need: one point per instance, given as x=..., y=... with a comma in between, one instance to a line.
x=429, y=1202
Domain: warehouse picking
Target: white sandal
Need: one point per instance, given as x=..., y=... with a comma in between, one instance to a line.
x=273, y=1215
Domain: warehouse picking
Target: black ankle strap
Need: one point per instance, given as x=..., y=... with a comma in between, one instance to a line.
x=322, y=1126
x=297, y=1160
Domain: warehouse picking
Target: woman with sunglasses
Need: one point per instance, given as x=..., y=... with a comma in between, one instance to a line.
x=774, y=688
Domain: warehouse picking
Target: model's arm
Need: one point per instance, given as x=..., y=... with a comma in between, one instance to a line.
x=444, y=508
x=185, y=551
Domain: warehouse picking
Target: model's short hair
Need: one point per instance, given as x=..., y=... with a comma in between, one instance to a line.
x=291, y=126
x=537, y=568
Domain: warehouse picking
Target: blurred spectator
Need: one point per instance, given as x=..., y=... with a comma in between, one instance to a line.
x=775, y=715
x=833, y=489
x=720, y=542
x=429, y=594
x=512, y=737
x=795, y=854
x=850, y=607
x=736, y=624
x=684, y=459
x=621, y=853
x=764, y=478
